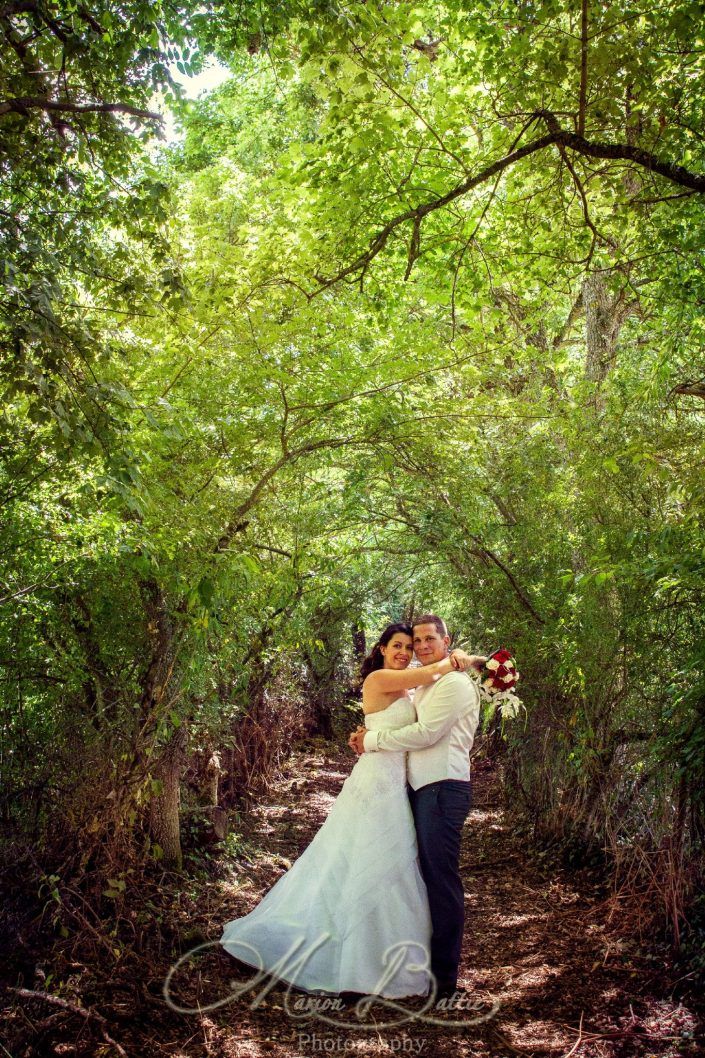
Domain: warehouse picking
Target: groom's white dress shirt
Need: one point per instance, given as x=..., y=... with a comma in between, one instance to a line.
x=440, y=741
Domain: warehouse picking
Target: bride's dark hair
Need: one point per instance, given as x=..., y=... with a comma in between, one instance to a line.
x=375, y=658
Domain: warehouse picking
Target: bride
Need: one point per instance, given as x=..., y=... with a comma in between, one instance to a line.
x=351, y=915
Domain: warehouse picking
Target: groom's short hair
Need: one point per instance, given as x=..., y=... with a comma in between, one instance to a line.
x=431, y=619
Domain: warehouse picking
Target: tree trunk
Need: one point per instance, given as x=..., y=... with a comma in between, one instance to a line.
x=321, y=701
x=598, y=329
x=218, y=816
x=161, y=662
x=359, y=642
x=164, y=807
x=604, y=318
x=214, y=771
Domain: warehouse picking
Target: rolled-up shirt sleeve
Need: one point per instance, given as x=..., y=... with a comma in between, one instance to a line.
x=454, y=695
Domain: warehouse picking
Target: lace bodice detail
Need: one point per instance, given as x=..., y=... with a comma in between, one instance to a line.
x=397, y=714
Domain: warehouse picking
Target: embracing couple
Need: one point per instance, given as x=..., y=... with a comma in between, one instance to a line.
x=375, y=904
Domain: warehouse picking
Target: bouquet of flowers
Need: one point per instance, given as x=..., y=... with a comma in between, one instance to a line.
x=498, y=678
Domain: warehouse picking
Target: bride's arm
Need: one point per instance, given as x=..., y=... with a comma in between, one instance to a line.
x=384, y=680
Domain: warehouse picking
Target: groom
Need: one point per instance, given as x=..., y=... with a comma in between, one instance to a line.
x=438, y=767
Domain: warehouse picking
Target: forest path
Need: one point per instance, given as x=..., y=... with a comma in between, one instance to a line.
x=538, y=942
x=559, y=974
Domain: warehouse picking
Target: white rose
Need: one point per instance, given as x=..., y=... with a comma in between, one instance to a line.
x=509, y=678
x=492, y=664
x=488, y=684
x=509, y=664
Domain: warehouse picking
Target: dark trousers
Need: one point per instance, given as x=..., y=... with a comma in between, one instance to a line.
x=439, y=810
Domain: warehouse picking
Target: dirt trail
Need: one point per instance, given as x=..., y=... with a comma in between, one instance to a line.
x=538, y=944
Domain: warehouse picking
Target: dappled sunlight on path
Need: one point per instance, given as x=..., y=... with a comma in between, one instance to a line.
x=537, y=945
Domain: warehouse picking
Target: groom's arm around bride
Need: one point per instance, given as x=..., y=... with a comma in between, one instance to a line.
x=439, y=708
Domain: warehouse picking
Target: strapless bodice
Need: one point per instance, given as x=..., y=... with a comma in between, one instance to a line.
x=399, y=713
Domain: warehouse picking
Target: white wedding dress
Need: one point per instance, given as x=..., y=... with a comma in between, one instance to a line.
x=351, y=915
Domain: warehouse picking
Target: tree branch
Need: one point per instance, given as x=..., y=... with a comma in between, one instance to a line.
x=17, y=8
x=238, y=521
x=414, y=247
x=64, y=1004
x=691, y=389
x=576, y=309
x=22, y=104
x=521, y=595
x=556, y=135
x=582, y=103
x=419, y=212
x=586, y=212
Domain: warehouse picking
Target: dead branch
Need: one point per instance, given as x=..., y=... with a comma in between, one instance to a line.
x=89, y=1015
